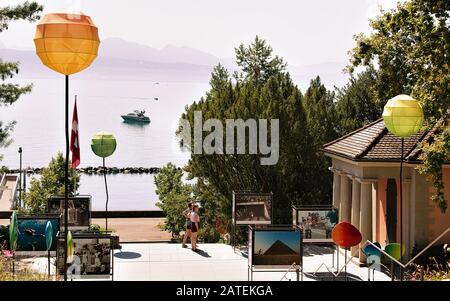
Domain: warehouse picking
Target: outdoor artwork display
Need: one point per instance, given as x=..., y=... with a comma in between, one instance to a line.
x=252, y=208
x=79, y=211
x=275, y=248
x=32, y=232
x=315, y=223
x=91, y=255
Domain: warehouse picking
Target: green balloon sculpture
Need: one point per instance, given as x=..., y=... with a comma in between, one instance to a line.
x=104, y=145
x=393, y=249
x=13, y=232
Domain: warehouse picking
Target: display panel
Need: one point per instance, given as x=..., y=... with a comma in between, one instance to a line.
x=92, y=255
x=252, y=208
x=31, y=232
x=316, y=224
x=276, y=248
x=79, y=209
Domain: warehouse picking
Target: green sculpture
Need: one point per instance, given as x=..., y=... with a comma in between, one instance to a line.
x=13, y=232
x=103, y=145
x=403, y=116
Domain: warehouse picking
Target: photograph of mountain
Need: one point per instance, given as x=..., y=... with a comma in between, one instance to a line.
x=276, y=247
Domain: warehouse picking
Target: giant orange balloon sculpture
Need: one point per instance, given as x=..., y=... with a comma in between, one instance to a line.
x=66, y=43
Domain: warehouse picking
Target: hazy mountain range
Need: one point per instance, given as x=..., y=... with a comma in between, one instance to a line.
x=123, y=60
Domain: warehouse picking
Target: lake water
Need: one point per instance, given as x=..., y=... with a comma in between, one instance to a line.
x=40, y=132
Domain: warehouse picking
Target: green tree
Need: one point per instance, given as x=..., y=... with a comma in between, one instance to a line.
x=322, y=127
x=321, y=113
x=174, y=196
x=262, y=90
x=258, y=62
x=410, y=47
x=214, y=212
x=357, y=103
x=9, y=92
x=50, y=183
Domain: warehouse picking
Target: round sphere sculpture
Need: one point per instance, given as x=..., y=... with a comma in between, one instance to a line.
x=403, y=116
x=103, y=144
x=66, y=42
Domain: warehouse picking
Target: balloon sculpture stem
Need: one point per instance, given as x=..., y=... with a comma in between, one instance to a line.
x=13, y=264
x=401, y=209
x=107, y=194
x=66, y=179
x=49, y=272
x=345, y=252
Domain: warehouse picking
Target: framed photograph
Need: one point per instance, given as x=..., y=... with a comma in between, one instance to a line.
x=275, y=247
x=252, y=208
x=79, y=211
x=92, y=255
x=31, y=232
x=315, y=223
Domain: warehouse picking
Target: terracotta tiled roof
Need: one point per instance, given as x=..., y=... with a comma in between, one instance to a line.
x=374, y=143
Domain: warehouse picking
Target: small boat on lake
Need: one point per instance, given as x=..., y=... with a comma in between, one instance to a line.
x=136, y=116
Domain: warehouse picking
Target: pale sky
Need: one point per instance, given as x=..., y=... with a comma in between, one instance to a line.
x=304, y=32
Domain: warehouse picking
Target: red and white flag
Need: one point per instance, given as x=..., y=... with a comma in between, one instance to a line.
x=74, y=139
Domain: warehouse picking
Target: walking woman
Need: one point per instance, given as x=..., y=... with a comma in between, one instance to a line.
x=187, y=216
x=195, y=226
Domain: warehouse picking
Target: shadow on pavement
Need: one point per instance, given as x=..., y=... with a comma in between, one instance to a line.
x=127, y=255
x=203, y=253
x=311, y=250
x=326, y=276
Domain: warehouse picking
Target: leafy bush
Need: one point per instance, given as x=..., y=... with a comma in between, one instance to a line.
x=174, y=195
x=434, y=264
x=51, y=183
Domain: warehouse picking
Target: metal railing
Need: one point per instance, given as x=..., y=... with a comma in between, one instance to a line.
x=412, y=259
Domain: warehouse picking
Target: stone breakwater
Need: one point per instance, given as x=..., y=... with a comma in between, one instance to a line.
x=93, y=170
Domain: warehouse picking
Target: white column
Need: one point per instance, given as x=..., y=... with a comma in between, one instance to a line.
x=336, y=188
x=406, y=218
x=365, y=221
x=356, y=197
x=345, y=199
x=412, y=209
x=374, y=210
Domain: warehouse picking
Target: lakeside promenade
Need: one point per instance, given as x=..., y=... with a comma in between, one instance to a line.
x=130, y=229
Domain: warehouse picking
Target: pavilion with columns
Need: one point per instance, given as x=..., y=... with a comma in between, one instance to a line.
x=365, y=167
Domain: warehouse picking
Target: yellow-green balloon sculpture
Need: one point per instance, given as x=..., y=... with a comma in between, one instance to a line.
x=104, y=145
x=403, y=117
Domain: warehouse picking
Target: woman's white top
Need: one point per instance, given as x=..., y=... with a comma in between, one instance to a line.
x=194, y=217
